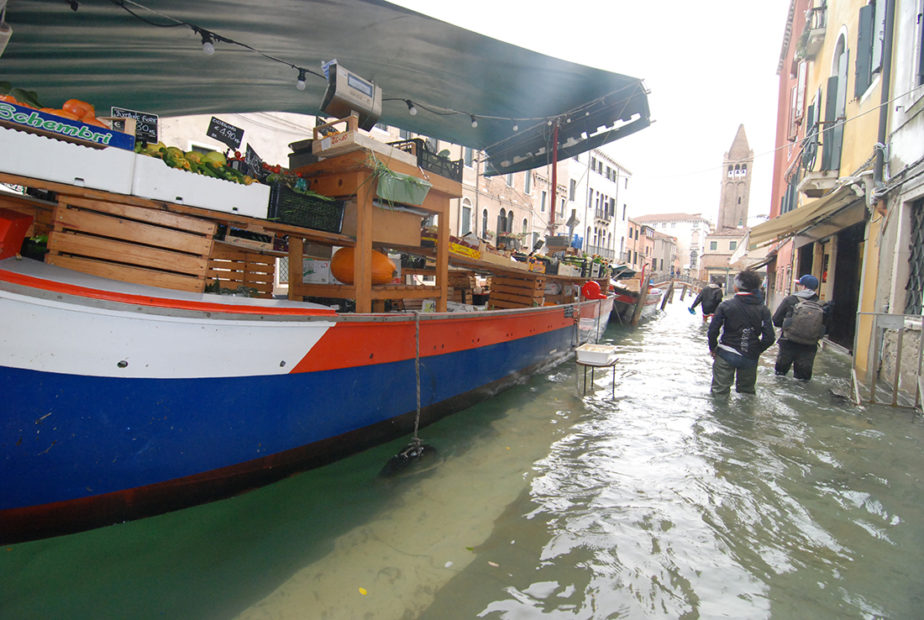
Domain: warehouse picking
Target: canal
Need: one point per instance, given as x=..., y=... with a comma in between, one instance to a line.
x=650, y=500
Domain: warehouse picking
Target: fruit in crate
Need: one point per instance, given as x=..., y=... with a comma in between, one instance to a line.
x=211, y=164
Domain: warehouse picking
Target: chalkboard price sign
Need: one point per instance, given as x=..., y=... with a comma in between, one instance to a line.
x=224, y=132
x=145, y=124
x=253, y=162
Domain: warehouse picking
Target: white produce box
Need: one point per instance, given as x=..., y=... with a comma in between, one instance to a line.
x=155, y=179
x=36, y=156
x=596, y=354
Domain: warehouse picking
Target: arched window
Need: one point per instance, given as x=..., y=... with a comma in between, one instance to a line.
x=465, y=218
x=484, y=222
x=509, y=227
x=502, y=221
x=525, y=225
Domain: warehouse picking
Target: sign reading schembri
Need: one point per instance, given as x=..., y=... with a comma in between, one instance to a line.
x=145, y=124
x=225, y=132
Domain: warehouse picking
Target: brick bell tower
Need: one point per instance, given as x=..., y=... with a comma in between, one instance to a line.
x=736, y=183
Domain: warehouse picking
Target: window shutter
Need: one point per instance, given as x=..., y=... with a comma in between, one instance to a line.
x=878, y=36
x=865, y=45
x=827, y=139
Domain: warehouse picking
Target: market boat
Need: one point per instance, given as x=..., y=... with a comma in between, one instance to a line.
x=130, y=391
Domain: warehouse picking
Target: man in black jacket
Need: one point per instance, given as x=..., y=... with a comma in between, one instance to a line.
x=795, y=349
x=746, y=332
x=710, y=296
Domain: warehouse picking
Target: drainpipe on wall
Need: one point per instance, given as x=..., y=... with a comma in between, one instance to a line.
x=886, y=87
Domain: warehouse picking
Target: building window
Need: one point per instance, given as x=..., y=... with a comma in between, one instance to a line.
x=525, y=225
x=914, y=299
x=835, y=110
x=713, y=245
x=465, y=225
x=404, y=134
x=870, y=31
x=484, y=222
x=509, y=179
x=527, y=181
x=467, y=157
x=572, y=189
x=732, y=245
x=542, y=202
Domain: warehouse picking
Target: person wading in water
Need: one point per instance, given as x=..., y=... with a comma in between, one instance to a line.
x=746, y=332
x=710, y=297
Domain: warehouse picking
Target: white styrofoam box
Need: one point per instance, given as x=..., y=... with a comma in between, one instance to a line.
x=155, y=179
x=36, y=156
x=596, y=354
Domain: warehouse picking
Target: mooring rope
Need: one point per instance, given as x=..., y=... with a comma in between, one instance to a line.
x=417, y=372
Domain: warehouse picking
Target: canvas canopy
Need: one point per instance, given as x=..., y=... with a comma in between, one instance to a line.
x=148, y=56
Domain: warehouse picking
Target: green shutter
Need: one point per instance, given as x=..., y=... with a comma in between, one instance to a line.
x=865, y=45
x=827, y=139
x=878, y=36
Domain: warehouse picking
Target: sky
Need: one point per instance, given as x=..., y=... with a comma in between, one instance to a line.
x=709, y=66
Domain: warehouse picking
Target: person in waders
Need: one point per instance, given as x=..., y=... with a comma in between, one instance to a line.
x=801, y=318
x=710, y=296
x=746, y=331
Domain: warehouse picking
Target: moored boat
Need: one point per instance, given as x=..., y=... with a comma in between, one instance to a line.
x=131, y=391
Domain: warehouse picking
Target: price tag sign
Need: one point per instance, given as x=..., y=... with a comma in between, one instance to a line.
x=145, y=124
x=253, y=162
x=225, y=132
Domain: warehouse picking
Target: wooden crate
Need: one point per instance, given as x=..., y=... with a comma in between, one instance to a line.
x=233, y=268
x=130, y=243
x=42, y=213
x=513, y=292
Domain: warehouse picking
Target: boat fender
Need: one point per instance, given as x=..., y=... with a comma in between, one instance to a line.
x=591, y=290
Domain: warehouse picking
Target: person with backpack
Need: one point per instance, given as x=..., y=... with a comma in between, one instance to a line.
x=710, y=296
x=746, y=332
x=802, y=319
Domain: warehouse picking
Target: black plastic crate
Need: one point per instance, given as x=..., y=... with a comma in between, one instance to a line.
x=430, y=161
x=290, y=207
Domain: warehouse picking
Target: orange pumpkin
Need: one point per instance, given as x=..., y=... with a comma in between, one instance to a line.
x=79, y=108
x=341, y=266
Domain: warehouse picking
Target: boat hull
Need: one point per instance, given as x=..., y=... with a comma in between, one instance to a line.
x=122, y=405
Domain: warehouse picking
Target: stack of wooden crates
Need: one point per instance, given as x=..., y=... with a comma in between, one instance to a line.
x=517, y=292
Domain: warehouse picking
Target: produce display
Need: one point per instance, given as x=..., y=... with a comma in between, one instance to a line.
x=212, y=164
x=72, y=109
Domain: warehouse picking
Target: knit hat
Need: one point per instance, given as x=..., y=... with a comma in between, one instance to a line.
x=809, y=281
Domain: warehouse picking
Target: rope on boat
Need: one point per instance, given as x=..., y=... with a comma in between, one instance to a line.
x=417, y=373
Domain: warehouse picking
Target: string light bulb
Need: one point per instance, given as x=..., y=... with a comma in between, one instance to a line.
x=208, y=46
x=300, y=83
x=516, y=127
x=411, y=108
x=474, y=121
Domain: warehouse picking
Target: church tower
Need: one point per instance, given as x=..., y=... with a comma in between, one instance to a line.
x=736, y=183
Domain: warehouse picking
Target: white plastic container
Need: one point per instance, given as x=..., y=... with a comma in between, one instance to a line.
x=155, y=179
x=596, y=354
x=31, y=155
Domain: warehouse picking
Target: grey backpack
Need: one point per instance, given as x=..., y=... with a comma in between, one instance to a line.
x=806, y=325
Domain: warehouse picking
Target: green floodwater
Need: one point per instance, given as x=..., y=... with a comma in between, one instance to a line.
x=658, y=502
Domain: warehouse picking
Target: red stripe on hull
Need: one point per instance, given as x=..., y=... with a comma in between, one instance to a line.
x=160, y=302
x=350, y=344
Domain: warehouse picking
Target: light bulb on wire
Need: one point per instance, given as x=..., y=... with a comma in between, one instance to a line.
x=208, y=46
x=411, y=108
x=516, y=127
x=300, y=83
x=474, y=121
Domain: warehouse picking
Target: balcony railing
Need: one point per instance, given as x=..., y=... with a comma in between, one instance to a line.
x=600, y=251
x=813, y=36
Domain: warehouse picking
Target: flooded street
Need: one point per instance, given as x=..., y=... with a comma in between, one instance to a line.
x=658, y=502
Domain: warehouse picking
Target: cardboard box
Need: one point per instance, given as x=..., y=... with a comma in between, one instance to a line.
x=315, y=271
x=155, y=179
x=388, y=225
x=464, y=250
x=38, y=157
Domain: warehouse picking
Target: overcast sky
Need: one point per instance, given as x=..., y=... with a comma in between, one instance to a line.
x=710, y=66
